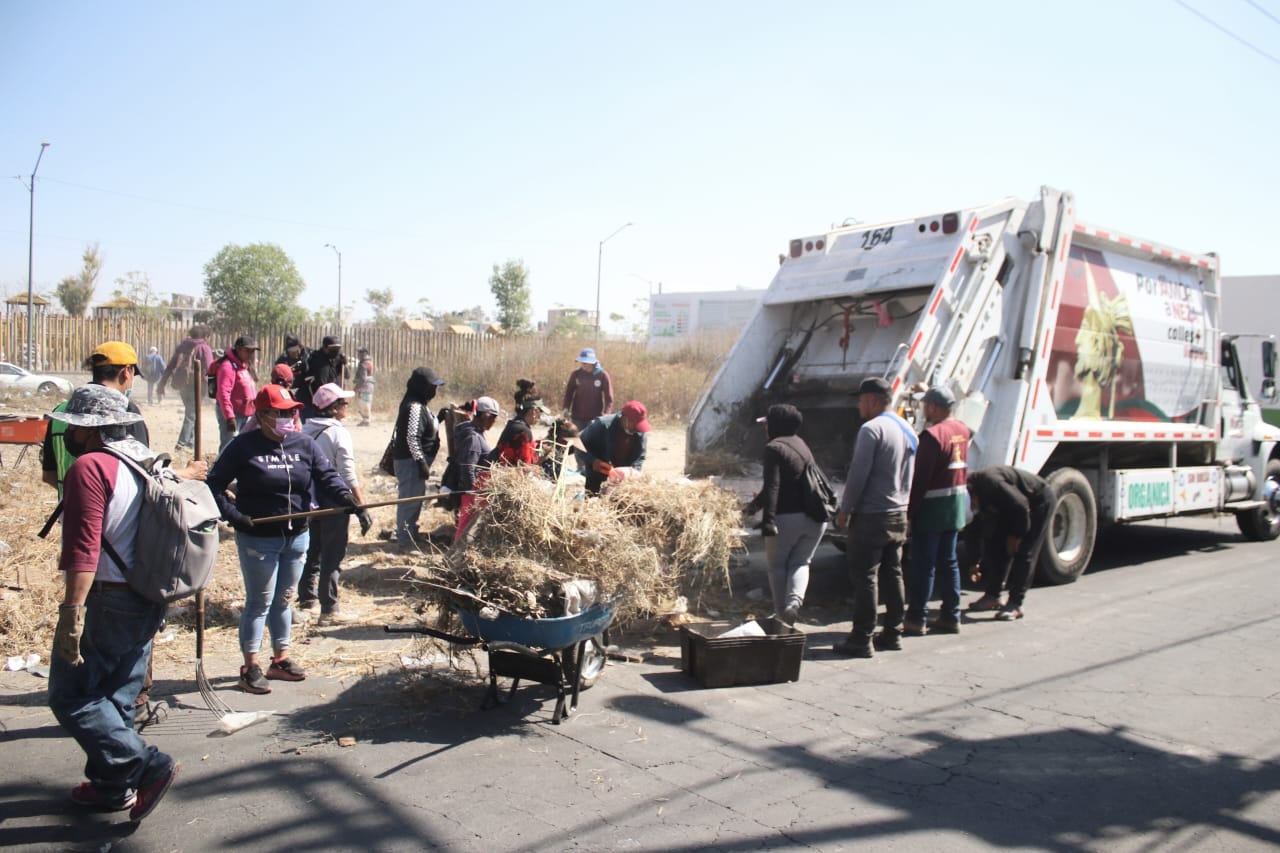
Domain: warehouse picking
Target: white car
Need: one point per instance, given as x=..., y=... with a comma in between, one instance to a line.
x=16, y=380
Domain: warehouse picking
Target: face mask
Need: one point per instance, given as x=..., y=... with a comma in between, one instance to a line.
x=284, y=425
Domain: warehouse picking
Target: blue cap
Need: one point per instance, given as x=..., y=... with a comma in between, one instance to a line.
x=588, y=356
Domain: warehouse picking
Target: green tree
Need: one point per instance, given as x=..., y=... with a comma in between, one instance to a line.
x=254, y=287
x=75, y=292
x=385, y=312
x=136, y=287
x=510, y=287
x=571, y=327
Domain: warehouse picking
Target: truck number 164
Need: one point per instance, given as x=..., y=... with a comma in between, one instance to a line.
x=871, y=239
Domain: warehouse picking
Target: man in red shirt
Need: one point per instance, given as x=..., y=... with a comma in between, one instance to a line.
x=103, y=637
x=937, y=512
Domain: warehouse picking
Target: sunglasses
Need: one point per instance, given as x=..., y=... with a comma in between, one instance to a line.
x=279, y=413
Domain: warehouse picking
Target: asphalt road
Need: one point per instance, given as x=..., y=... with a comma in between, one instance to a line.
x=1135, y=710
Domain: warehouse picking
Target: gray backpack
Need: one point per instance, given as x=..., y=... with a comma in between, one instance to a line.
x=177, y=542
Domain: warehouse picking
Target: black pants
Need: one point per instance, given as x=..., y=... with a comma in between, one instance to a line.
x=1019, y=568
x=323, y=568
x=874, y=557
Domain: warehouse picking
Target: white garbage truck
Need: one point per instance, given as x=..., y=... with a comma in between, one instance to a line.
x=1090, y=356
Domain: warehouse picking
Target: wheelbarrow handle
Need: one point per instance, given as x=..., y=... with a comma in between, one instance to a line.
x=432, y=632
x=335, y=510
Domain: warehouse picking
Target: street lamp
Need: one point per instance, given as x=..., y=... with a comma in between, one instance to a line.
x=599, y=265
x=31, y=242
x=339, y=254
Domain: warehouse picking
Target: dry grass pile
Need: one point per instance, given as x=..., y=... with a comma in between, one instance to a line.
x=645, y=542
x=694, y=526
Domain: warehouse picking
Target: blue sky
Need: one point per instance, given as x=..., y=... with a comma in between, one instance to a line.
x=428, y=141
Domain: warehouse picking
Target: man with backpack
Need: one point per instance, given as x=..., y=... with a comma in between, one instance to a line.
x=191, y=355
x=104, y=629
x=234, y=388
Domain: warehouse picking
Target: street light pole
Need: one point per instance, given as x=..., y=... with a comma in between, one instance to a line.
x=599, y=267
x=29, y=359
x=339, y=254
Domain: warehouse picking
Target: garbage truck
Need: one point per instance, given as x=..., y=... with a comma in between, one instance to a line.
x=1090, y=356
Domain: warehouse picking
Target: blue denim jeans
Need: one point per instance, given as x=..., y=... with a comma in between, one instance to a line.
x=225, y=435
x=187, y=432
x=271, y=567
x=411, y=484
x=934, y=554
x=94, y=701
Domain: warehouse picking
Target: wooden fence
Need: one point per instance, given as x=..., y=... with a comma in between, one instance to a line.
x=63, y=343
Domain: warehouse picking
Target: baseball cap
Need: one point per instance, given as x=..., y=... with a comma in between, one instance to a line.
x=282, y=373
x=328, y=394
x=588, y=356
x=533, y=403
x=274, y=397
x=114, y=352
x=331, y=341
x=96, y=406
x=874, y=385
x=487, y=406
x=637, y=412
x=246, y=341
x=939, y=395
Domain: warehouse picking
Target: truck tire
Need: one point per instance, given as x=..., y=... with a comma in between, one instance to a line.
x=1263, y=524
x=1073, y=528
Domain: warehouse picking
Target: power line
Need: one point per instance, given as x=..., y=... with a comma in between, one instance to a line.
x=1226, y=31
x=1258, y=6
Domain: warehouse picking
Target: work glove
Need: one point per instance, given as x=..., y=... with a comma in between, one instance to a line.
x=239, y=520
x=366, y=521
x=231, y=425
x=768, y=528
x=424, y=468
x=66, y=637
x=601, y=467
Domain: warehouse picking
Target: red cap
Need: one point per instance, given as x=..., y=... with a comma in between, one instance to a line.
x=275, y=397
x=282, y=373
x=636, y=411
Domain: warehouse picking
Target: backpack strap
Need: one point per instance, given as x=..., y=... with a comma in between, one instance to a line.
x=912, y=441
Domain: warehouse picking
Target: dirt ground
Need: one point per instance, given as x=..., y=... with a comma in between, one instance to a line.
x=379, y=582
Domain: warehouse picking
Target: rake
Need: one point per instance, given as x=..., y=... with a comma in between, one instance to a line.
x=212, y=700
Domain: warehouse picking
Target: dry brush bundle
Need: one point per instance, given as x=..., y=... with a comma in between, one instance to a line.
x=694, y=525
x=531, y=535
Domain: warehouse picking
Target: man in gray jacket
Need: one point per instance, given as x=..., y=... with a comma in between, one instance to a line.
x=874, y=507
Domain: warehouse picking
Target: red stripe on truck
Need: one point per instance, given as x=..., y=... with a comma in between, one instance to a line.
x=937, y=299
x=1025, y=442
x=914, y=344
x=1053, y=298
x=1035, y=395
x=955, y=261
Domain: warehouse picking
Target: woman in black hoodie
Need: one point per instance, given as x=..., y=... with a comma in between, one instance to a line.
x=417, y=440
x=791, y=536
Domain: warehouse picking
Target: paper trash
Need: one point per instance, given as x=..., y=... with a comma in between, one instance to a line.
x=746, y=629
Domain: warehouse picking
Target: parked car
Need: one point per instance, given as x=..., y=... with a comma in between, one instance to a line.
x=17, y=380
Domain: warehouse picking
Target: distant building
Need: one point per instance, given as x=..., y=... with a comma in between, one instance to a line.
x=185, y=308
x=18, y=304
x=674, y=318
x=579, y=317
x=418, y=325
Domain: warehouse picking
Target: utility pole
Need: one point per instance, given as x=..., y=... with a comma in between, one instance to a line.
x=29, y=356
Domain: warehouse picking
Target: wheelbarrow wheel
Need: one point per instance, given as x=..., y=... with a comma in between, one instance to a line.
x=594, y=658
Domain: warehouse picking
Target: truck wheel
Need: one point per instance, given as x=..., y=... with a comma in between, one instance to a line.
x=1072, y=530
x=1263, y=524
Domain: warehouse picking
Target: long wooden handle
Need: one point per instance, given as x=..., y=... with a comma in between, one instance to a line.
x=335, y=510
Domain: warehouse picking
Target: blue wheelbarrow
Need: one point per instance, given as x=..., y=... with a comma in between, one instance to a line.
x=566, y=652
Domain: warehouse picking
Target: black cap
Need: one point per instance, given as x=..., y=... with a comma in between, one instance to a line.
x=331, y=341
x=874, y=385
x=246, y=341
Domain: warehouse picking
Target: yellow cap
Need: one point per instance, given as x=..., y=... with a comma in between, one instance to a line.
x=114, y=352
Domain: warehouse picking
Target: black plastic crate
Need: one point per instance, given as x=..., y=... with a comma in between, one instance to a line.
x=727, y=661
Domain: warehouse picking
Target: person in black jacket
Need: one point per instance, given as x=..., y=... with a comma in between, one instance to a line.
x=325, y=365
x=417, y=441
x=277, y=470
x=296, y=357
x=790, y=536
x=1014, y=509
